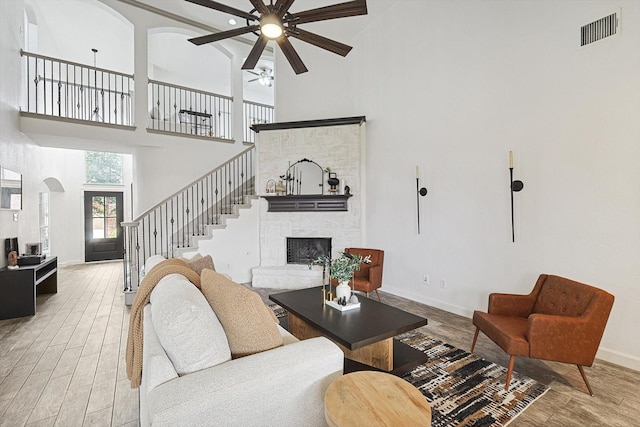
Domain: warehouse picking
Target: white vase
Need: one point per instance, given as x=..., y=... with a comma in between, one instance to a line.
x=343, y=290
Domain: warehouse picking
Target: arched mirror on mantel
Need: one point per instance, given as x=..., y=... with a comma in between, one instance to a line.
x=304, y=177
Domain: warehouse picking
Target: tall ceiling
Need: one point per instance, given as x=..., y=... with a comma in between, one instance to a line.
x=341, y=29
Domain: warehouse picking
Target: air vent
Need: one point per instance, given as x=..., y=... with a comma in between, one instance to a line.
x=597, y=30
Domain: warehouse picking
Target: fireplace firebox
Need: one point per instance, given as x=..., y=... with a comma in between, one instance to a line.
x=303, y=250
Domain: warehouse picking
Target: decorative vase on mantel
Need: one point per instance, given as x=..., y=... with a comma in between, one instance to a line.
x=343, y=290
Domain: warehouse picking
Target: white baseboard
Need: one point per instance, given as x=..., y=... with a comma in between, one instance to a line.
x=455, y=309
x=617, y=358
x=611, y=356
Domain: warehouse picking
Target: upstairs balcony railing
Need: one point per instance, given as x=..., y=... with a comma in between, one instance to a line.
x=189, y=111
x=255, y=113
x=171, y=225
x=75, y=91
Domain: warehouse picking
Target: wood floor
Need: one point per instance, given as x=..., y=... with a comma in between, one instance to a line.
x=65, y=365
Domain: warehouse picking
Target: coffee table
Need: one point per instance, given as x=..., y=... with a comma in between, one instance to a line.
x=365, y=335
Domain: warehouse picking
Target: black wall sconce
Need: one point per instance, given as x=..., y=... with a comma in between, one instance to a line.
x=515, y=186
x=419, y=192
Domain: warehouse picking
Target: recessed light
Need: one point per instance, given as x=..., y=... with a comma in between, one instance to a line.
x=232, y=21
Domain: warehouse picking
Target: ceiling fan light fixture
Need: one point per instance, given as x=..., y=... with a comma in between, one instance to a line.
x=271, y=26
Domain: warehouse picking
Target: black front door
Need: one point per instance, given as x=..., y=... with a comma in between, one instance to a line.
x=103, y=235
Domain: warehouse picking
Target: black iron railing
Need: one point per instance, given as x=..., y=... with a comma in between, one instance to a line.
x=55, y=87
x=255, y=113
x=173, y=223
x=183, y=110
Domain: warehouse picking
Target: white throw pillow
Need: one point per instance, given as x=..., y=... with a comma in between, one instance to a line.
x=151, y=262
x=187, y=327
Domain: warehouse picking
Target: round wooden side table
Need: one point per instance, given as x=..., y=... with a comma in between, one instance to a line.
x=370, y=398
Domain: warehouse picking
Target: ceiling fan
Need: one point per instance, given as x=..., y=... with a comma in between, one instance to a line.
x=275, y=22
x=265, y=77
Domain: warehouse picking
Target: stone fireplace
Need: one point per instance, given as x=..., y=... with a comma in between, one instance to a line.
x=338, y=147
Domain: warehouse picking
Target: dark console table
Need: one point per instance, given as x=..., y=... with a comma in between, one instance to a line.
x=19, y=287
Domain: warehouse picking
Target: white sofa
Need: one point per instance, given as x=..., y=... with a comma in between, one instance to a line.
x=283, y=386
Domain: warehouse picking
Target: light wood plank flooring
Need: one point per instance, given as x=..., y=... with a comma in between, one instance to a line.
x=65, y=366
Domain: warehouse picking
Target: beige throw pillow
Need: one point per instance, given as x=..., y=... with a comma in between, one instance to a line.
x=249, y=324
x=198, y=263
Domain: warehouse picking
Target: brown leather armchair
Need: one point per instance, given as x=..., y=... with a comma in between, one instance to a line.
x=369, y=277
x=560, y=320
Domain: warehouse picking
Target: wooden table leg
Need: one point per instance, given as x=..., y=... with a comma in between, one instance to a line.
x=378, y=354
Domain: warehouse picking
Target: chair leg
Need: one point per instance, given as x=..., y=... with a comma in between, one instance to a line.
x=378, y=295
x=584, y=377
x=475, y=338
x=512, y=360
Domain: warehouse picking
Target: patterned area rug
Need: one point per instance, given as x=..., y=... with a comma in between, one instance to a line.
x=462, y=388
x=466, y=390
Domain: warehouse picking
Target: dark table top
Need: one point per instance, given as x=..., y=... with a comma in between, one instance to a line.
x=370, y=323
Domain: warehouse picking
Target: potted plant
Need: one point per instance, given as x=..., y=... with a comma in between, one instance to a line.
x=342, y=269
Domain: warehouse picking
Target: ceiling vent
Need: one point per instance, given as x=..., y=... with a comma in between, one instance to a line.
x=597, y=30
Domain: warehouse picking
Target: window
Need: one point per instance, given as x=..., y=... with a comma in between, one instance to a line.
x=44, y=222
x=105, y=218
x=103, y=168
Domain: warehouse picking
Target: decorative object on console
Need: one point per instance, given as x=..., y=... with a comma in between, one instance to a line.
x=12, y=260
x=515, y=186
x=304, y=177
x=333, y=182
x=419, y=192
x=271, y=186
x=33, y=248
x=10, y=245
x=281, y=190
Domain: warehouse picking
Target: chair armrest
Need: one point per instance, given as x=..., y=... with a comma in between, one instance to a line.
x=563, y=338
x=282, y=386
x=375, y=275
x=511, y=304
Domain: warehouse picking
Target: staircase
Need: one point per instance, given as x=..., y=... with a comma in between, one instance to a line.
x=176, y=225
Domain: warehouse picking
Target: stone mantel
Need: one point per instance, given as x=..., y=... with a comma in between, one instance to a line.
x=308, y=203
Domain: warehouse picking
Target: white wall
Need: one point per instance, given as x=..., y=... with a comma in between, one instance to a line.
x=459, y=86
x=69, y=29
x=234, y=250
x=17, y=152
x=173, y=59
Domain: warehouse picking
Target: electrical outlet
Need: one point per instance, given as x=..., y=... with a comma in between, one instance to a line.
x=425, y=279
x=443, y=283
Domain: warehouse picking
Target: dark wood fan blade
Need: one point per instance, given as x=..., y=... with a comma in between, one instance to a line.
x=255, y=53
x=292, y=56
x=282, y=7
x=322, y=42
x=223, y=35
x=341, y=10
x=224, y=8
x=260, y=6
